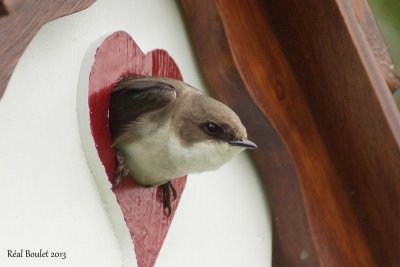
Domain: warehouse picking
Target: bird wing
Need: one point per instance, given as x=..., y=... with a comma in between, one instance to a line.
x=133, y=97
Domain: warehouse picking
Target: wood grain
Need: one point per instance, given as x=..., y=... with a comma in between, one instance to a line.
x=291, y=235
x=376, y=42
x=312, y=74
x=355, y=114
x=23, y=20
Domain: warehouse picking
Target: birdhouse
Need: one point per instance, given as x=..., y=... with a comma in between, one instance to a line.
x=312, y=83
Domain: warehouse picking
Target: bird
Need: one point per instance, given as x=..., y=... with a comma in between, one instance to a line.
x=163, y=128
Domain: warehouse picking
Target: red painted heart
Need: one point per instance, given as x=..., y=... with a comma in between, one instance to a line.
x=142, y=208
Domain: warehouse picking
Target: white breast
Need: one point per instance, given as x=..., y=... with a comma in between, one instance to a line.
x=160, y=156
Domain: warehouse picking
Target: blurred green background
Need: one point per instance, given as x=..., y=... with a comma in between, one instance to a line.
x=387, y=14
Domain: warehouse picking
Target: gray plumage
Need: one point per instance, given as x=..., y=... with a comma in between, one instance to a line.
x=165, y=129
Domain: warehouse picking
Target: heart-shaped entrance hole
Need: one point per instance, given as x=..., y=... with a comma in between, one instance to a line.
x=142, y=208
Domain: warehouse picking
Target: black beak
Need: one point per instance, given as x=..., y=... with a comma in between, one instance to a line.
x=243, y=143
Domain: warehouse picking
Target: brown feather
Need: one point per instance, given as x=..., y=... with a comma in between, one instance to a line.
x=134, y=97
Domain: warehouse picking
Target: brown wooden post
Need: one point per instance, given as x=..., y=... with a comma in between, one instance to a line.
x=308, y=69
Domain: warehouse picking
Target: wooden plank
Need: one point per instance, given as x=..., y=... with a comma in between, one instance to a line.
x=25, y=18
x=312, y=73
x=291, y=235
x=366, y=20
x=354, y=111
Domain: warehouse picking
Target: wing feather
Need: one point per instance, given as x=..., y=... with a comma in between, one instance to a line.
x=133, y=97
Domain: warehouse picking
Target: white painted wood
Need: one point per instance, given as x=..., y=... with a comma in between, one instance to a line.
x=49, y=196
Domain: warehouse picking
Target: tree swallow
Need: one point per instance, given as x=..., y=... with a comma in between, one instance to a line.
x=164, y=128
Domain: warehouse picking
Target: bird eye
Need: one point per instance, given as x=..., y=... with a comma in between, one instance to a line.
x=211, y=128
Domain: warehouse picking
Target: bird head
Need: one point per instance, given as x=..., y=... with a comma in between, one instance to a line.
x=210, y=131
